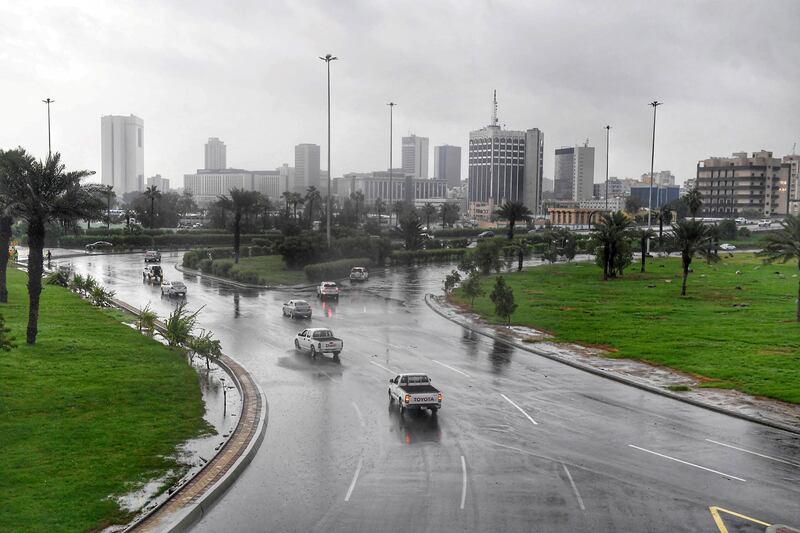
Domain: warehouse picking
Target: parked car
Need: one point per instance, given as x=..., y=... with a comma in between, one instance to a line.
x=414, y=391
x=359, y=274
x=99, y=245
x=486, y=235
x=327, y=289
x=426, y=236
x=297, y=308
x=152, y=273
x=318, y=341
x=727, y=247
x=173, y=288
x=152, y=256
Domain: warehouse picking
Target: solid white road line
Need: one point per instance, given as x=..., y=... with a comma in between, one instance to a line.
x=463, y=481
x=755, y=453
x=451, y=368
x=723, y=474
x=355, y=478
x=574, y=488
x=383, y=367
x=360, y=417
x=520, y=409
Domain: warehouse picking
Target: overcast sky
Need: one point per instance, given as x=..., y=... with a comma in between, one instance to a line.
x=728, y=73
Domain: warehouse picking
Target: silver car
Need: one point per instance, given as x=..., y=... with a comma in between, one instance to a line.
x=173, y=288
x=297, y=308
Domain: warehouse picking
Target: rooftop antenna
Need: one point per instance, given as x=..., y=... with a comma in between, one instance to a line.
x=494, y=108
x=794, y=147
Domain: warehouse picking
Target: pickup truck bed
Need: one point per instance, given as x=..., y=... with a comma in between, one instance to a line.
x=420, y=389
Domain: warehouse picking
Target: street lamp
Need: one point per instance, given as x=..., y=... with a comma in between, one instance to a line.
x=655, y=104
x=608, y=134
x=224, y=397
x=391, y=192
x=48, y=101
x=327, y=59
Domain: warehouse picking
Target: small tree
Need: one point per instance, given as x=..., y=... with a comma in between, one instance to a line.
x=76, y=284
x=643, y=235
x=428, y=210
x=694, y=201
x=411, y=230
x=472, y=287
x=513, y=211
x=452, y=279
x=503, y=298
x=179, y=326
x=205, y=345
x=487, y=255
x=690, y=237
x=6, y=341
x=146, y=323
x=100, y=296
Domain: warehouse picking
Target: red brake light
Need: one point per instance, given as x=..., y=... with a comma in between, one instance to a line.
x=408, y=398
x=440, y=397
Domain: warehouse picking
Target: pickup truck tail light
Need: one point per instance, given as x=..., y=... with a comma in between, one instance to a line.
x=440, y=397
x=408, y=398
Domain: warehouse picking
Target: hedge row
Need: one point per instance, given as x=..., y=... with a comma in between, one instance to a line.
x=193, y=258
x=410, y=257
x=335, y=269
x=226, y=268
x=457, y=232
x=151, y=241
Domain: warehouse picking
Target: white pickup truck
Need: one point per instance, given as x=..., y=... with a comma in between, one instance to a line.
x=318, y=341
x=414, y=391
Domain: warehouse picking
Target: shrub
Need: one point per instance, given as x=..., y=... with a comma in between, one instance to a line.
x=334, y=269
x=410, y=257
x=300, y=250
x=57, y=278
x=205, y=266
x=221, y=267
x=744, y=233
x=727, y=229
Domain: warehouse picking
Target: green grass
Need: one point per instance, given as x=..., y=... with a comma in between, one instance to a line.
x=93, y=410
x=732, y=330
x=270, y=270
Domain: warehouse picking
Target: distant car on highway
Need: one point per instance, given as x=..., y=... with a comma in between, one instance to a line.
x=152, y=256
x=359, y=274
x=764, y=223
x=297, y=308
x=486, y=235
x=99, y=245
x=727, y=247
x=414, y=391
x=152, y=273
x=740, y=220
x=318, y=341
x=173, y=288
x=327, y=289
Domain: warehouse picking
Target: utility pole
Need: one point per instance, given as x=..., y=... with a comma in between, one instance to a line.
x=327, y=59
x=391, y=192
x=608, y=133
x=49, y=148
x=655, y=104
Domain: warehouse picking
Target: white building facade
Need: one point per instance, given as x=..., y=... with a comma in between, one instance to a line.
x=161, y=183
x=122, y=149
x=306, y=167
x=447, y=164
x=415, y=156
x=574, y=173
x=216, y=154
x=207, y=186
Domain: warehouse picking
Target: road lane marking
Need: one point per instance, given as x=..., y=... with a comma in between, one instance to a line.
x=358, y=412
x=383, y=367
x=574, y=488
x=355, y=478
x=451, y=368
x=463, y=481
x=521, y=410
x=721, y=525
x=754, y=453
x=723, y=474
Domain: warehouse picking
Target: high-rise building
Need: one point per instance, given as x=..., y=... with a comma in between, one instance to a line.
x=216, y=154
x=287, y=177
x=447, y=164
x=122, y=146
x=306, y=167
x=208, y=185
x=162, y=184
x=574, y=173
x=732, y=185
x=415, y=156
x=505, y=165
x=790, y=181
x=661, y=177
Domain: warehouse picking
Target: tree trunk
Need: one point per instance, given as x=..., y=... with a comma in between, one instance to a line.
x=606, y=252
x=660, y=228
x=798, y=293
x=152, y=212
x=237, y=223
x=35, y=270
x=520, y=257
x=511, y=223
x=643, y=244
x=686, y=263
x=5, y=243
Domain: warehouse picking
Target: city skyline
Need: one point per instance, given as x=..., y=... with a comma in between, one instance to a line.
x=704, y=79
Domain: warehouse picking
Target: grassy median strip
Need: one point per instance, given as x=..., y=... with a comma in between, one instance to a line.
x=90, y=412
x=735, y=329
x=261, y=270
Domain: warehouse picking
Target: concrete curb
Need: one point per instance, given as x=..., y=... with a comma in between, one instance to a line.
x=437, y=308
x=196, y=496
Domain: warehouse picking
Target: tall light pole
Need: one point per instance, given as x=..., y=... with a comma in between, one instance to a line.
x=608, y=133
x=655, y=104
x=327, y=59
x=391, y=192
x=49, y=149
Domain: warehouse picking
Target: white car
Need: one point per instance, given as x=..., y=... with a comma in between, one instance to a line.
x=359, y=274
x=764, y=223
x=327, y=289
x=727, y=247
x=173, y=288
x=318, y=341
x=741, y=220
x=414, y=391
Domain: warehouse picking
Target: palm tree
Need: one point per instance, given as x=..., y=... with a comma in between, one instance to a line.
x=11, y=167
x=287, y=198
x=784, y=245
x=45, y=193
x=398, y=209
x=513, y=211
x=295, y=199
x=264, y=205
x=313, y=198
x=664, y=217
x=152, y=193
x=358, y=203
x=128, y=214
x=411, y=230
x=428, y=210
x=108, y=190
x=610, y=232
x=694, y=201
x=691, y=237
x=379, y=206
x=447, y=211
x=643, y=235
x=240, y=202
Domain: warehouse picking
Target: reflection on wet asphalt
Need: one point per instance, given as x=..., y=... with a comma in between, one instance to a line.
x=332, y=433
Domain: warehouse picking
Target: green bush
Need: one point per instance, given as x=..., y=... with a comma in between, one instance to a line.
x=410, y=257
x=334, y=269
x=458, y=232
x=221, y=267
x=205, y=266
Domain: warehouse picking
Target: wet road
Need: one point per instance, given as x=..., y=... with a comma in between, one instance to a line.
x=521, y=443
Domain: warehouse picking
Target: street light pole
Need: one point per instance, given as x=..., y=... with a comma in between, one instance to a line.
x=655, y=104
x=608, y=133
x=327, y=59
x=391, y=192
x=48, y=102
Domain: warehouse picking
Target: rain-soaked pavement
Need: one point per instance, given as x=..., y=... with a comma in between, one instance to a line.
x=521, y=444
